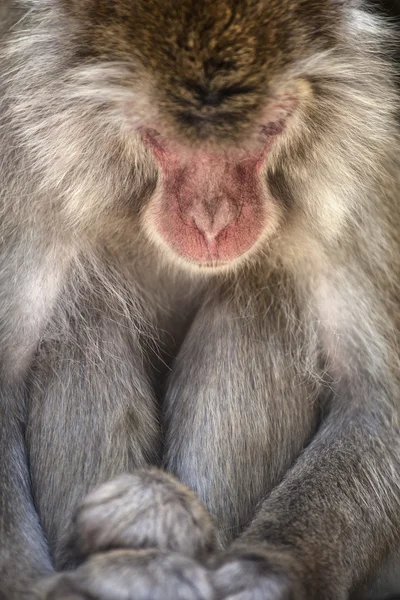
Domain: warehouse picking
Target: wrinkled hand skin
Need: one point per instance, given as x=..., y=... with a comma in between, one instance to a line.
x=147, y=537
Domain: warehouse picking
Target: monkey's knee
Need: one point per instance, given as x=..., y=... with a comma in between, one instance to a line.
x=149, y=509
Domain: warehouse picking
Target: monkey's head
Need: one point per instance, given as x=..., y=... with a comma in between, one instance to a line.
x=219, y=98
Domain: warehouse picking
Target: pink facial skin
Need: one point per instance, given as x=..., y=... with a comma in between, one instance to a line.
x=213, y=205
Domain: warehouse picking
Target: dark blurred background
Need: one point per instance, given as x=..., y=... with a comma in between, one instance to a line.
x=390, y=8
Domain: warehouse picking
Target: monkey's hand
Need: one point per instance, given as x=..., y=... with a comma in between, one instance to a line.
x=142, y=536
x=132, y=575
x=257, y=574
x=149, y=509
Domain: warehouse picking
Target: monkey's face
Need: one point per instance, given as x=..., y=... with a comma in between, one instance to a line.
x=212, y=204
x=214, y=105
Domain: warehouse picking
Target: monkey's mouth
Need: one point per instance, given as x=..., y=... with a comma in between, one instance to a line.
x=211, y=206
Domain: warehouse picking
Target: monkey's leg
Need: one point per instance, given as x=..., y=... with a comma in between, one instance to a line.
x=240, y=407
x=92, y=416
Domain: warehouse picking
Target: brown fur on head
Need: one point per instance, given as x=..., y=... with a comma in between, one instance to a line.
x=212, y=64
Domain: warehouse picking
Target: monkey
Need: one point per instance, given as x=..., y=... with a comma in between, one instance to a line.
x=199, y=300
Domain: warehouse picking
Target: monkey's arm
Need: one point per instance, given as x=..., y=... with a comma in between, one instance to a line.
x=29, y=287
x=24, y=554
x=330, y=522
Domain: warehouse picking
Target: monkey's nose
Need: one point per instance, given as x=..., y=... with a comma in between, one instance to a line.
x=211, y=218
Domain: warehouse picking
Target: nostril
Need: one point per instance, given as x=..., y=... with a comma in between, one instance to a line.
x=208, y=95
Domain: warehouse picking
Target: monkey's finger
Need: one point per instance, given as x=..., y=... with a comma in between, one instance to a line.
x=149, y=509
x=134, y=575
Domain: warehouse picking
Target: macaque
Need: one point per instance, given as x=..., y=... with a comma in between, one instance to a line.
x=199, y=300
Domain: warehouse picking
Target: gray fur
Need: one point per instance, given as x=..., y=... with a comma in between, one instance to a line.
x=281, y=405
